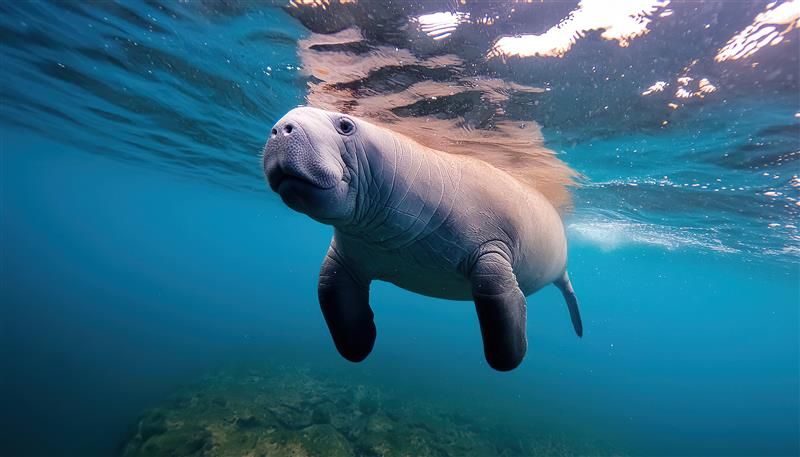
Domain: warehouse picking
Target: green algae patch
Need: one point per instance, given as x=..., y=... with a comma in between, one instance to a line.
x=280, y=411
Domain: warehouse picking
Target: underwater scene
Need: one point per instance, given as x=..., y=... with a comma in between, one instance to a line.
x=400, y=228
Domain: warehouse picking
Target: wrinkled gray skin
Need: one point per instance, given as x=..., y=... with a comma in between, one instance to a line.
x=437, y=224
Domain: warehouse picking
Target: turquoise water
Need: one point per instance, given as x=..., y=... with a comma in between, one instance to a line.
x=141, y=248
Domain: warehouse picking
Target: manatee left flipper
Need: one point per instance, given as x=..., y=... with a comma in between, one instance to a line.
x=344, y=299
x=501, y=310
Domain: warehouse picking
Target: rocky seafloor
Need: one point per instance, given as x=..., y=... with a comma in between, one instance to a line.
x=288, y=411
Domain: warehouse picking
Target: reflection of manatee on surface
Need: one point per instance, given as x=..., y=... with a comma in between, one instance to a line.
x=428, y=184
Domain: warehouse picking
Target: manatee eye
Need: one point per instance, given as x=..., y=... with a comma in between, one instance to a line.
x=345, y=126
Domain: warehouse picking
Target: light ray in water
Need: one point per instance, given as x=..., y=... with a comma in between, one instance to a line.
x=440, y=25
x=767, y=29
x=618, y=20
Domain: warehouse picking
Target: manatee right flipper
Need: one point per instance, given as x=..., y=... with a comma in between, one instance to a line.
x=344, y=300
x=501, y=310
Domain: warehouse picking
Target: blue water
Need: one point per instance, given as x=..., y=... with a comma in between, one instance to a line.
x=140, y=246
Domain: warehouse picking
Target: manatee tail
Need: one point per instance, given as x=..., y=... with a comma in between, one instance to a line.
x=565, y=286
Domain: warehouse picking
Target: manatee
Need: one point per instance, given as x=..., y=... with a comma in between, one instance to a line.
x=438, y=224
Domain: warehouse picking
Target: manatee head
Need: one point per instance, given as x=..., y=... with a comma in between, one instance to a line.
x=306, y=162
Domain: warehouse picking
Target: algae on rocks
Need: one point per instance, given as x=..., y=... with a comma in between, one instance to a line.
x=288, y=411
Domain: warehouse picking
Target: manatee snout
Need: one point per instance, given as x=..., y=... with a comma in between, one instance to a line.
x=291, y=155
x=303, y=164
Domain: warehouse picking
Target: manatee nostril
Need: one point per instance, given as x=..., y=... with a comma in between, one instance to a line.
x=288, y=129
x=274, y=132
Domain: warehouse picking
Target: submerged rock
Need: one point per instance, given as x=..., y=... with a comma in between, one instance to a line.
x=325, y=440
x=289, y=412
x=151, y=425
x=181, y=441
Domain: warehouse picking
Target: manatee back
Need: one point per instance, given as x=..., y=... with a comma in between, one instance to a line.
x=448, y=110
